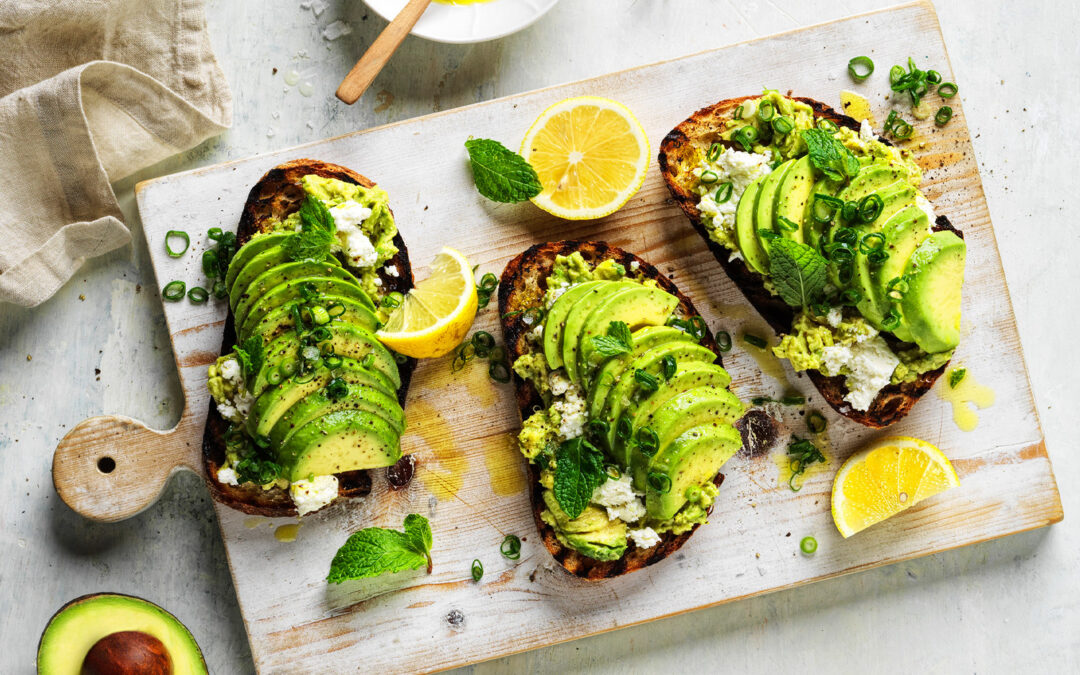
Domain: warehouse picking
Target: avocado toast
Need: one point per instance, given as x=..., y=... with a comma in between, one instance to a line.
x=822, y=226
x=626, y=414
x=305, y=397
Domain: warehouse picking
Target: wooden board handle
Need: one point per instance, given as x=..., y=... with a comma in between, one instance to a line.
x=112, y=467
x=363, y=73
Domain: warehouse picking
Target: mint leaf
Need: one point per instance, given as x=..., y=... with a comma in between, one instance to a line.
x=500, y=174
x=250, y=355
x=829, y=155
x=579, y=469
x=316, y=233
x=617, y=341
x=376, y=550
x=797, y=272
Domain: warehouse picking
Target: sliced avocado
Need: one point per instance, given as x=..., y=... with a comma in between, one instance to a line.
x=765, y=205
x=346, y=440
x=794, y=194
x=903, y=232
x=692, y=459
x=592, y=533
x=294, y=290
x=687, y=376
x=125, y=626
x=357, y=396
x=813, y=231
x=248, y=251
x=275, y=256
x=873, y=178
x=624, y=391
x=270, y=324
x=576, y=317
x=274, y=403
x=637, y=306
x=555, y=321
x=346, y=341
x=701, y=406
x=747, y=237
x=931, y=306
x=282, y=275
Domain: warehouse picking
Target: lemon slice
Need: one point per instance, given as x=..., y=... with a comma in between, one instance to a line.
x=893, y=474
x=591, y=155
x=436, y=314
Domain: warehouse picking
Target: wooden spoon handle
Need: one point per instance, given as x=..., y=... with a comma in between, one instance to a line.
x=112, y=467
x=363, y=73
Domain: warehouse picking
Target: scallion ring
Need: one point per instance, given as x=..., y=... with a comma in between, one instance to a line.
x=956, y=376
x=766, y=110
x=393, y=300
x=782, y=125
x=793, y=400
x=333, y=361
x=647, y=441
x=623, y=429
x=896, y=74
x=219, y=289
x=860, y=68
x=723, y=193
x=933, y=76
x=815, y=422
x=878, y=256
x=827, y=125
x=613, y=472
x=714, y=152
x=896, y=288
x=891, y=320
x=708, y=177
x=335, y=309
x=808, y=545
x=659, y=482
x=477, y=570
x=288, y=367
x=723, y=341
x=746, y=137
x=846, y=235
x=274, y=377
x=825, y=207
x=696, y=327
x=177, y=234
x=198, y=295
x=870, y=207
x=319, y=315
x=943, y=115
x=947, y=90
x=669, y=366
x=511, y=547
x=174, y=291
x=850, y=211
x=210, y=263
x=874, y=241
x=499, y=371
x=902, y=130
x=846, y=272
x=597, y=428
x=214, y=234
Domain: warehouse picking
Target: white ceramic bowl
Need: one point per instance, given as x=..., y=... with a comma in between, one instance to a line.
x=475, y=22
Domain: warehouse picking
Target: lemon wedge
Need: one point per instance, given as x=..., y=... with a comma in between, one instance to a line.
x=436, y=314
x=892, y=475
x=591, y=155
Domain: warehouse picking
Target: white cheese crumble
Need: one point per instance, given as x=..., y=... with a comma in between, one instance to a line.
x=646, y=537
x=536, y=334
x=349, y=216
x=868, y=366
x=734, y=166
x=239, y=404
x=227, y=475
x=392, y=270
x=554, y=293
x=834, y=317
x=634, y=265
x=866, y=132
x=571, y=411
x=312, y=495
x=620, y=500
x=558, y=382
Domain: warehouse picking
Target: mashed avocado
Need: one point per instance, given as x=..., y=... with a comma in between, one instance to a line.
x=915, y=362
x=533, y=367
x=695, y=512
x=810, y=335
x=573, y=269
x=786, y=145
x=539, y=432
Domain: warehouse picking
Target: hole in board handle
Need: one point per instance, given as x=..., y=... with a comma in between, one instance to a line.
x=106, y=464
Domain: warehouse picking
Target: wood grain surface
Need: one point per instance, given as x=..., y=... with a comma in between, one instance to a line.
x=461, y=427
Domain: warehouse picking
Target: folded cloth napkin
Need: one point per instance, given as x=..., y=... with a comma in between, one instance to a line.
x=90, y=92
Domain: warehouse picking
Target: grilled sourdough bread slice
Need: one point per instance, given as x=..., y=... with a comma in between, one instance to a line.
x=367, y=391
x=691, y=366
x=681, y=152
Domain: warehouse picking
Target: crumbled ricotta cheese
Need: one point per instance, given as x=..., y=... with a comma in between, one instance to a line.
x=646, y=537
x=740, y=169
x=351, y=240
x=536, y=334
x=571, y=410
x=227, y=475
x=868, y=366
x=634, y=264
x=834, y=317
x=558, y=382
x=620, y=500
x=392, y=270
x=239, y=405
x=554, y=293
x=312, y=495
x=866, y=132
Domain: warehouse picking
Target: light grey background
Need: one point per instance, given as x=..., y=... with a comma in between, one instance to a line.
x=1004, y=606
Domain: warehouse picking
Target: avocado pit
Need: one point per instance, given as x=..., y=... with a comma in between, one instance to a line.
x=127, y=652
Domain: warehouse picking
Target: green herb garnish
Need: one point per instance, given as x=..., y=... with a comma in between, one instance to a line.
x=646, y=381
x=484, y=290
x=477, y=570
x=316, y=233
x=174, y=290
x=829, y=156
x=250, y=355
x=500, y=174
x=860, y=68
x=801, y=453
x=579, y=469
x=797, y=272
x=956, y=376
x=376, y=550
x=617, y=341
x=177, y=234
x=511, y=547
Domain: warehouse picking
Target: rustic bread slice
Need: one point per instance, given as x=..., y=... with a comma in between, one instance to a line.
x=680, y=152
x=275, y=196
x=522, y=287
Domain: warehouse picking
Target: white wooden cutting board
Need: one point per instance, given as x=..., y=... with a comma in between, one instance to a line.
x=470, y=481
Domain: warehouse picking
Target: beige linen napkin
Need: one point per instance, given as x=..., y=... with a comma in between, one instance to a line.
x=90, y=92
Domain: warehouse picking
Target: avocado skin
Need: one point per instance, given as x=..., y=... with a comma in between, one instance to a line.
x=80, y=623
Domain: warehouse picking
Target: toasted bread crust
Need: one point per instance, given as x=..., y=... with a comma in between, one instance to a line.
x=679, y=154
x=275, y=196
x=523, y=283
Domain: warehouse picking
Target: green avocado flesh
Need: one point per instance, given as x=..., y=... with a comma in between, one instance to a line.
x=693, y=458
x=76, y=628
x=324, y=396
x=579, y=314
x=636, y=307
x=931, y=306
x=765, y=205
x=745, y=231
x=555, y=321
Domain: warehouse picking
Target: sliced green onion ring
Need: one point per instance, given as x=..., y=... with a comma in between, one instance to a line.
x=874, y=241
x=219, y=289
x=827, y=125
x=815, y=422
x=825, y=207
x=274, y=377
x=850, y=211
x=714, y=152
x=766, y=110
x=210, y=263
x=860, y=68
x=198, y=295
x=896, y=74
x=723, y=193
x=708, y=177
x=808, y=545
x=846, y=235
x=511, y=547
x=214, y=234
x=499, y=371
x=177, y=234
x=943, y=115
x=659, y=482
x=891, y=320
x=902, y=130
x=393, y=300
x=870, y=207
x=782, y=125
x=723, y=341
x=174, y=291
x=947, y=90
x=877, y=256
x=647, y=441
x=933, y=77
x=477, y=570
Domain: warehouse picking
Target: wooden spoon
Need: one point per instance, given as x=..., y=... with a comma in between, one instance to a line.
x=374, y=59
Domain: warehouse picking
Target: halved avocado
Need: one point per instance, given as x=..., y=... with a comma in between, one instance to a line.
x=692, y=459
x=555, y=321
x=697, y=407
x=270, y=325
x=357, y=396
x=746, y=233
x=346, y=440
x=284, y=275
x=294, y=290
x=637, y=306
x=248, y=251
x=346, y=341
x=765, y=205
x=125, y=633
x=689, y=375
x=272, y=257
x=575, y=321
x=794, y=194
x=931, y=306
x=623, y=393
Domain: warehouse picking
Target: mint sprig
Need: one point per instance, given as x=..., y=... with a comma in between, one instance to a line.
x=316, y=234
x=501, y=174
x=579, y=469
x=250, y=354
x=376, y=550
x=829, y=155
x=617, y=341
x=797, y=272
